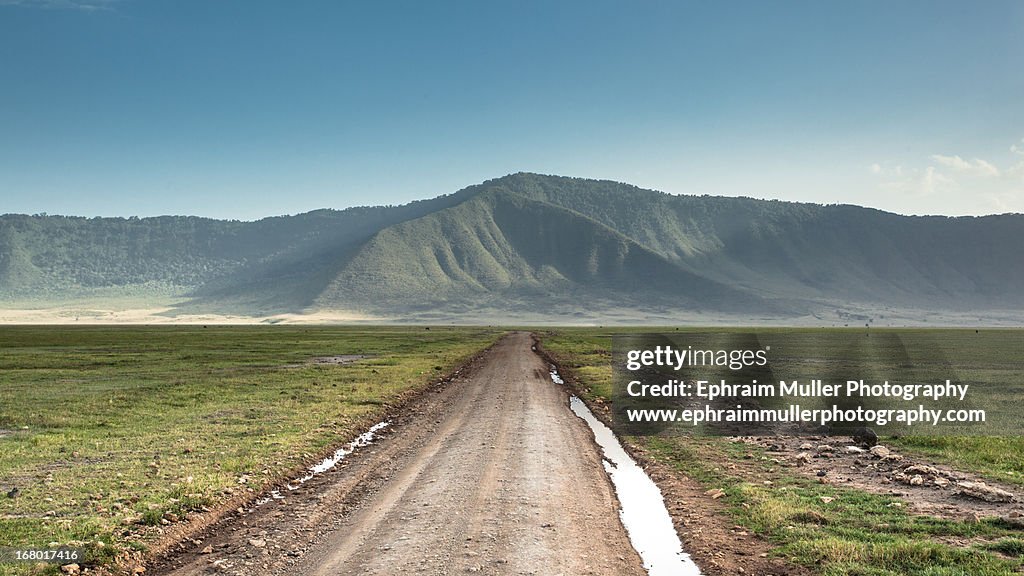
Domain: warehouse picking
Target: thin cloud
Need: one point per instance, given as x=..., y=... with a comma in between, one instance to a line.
x=887, y=170
x=981, y=186
x=977, y=167
x=1018, y=150
x=934, y=181
x=917, y=183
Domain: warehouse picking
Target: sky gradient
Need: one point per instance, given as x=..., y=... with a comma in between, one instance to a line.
x=246, y=109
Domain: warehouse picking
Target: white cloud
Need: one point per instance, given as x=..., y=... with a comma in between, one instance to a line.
x=1005, y=201
x=953, y=184
x=916, y=183
x=886, y=170
x=934, y=181
x=976, y=167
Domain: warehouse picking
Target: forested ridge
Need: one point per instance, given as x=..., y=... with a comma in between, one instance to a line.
x=526, y=240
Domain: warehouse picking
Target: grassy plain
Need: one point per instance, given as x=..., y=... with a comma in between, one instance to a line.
x=849, y=532
x=110, y=432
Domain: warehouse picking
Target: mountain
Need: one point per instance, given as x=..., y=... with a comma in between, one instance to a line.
x=528, y=242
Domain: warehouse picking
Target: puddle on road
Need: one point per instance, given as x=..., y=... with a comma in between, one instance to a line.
x=643, y=510
x=361, y=441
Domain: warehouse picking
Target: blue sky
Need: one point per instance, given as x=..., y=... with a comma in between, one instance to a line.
x=244, y=109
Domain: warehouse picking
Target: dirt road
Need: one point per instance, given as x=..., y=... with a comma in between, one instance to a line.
x=491, y=473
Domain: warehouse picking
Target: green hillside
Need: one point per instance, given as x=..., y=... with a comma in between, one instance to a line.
x=49, y=258
x=524, y=242
x=499, y=245
x=808, y=250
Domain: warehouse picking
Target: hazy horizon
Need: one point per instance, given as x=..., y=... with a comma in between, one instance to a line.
x=342, y=208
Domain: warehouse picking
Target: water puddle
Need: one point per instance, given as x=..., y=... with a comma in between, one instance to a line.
x=361, y=441
x=643, y=510
x=555, y=377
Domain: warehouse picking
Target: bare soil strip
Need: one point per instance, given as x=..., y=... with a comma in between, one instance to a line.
x=927, y=487
x=490, y=474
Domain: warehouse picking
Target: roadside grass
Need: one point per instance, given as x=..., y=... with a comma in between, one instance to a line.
x=998, y=457
x=110, y=432
x=832, y=529
x=587, y=352
x=849, y=532
x=1009, y=546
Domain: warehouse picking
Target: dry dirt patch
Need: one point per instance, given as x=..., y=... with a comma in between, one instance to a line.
x=926, y=487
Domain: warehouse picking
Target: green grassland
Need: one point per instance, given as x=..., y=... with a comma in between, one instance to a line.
x=109, y=432
x=839, y=531
x=850, y=532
